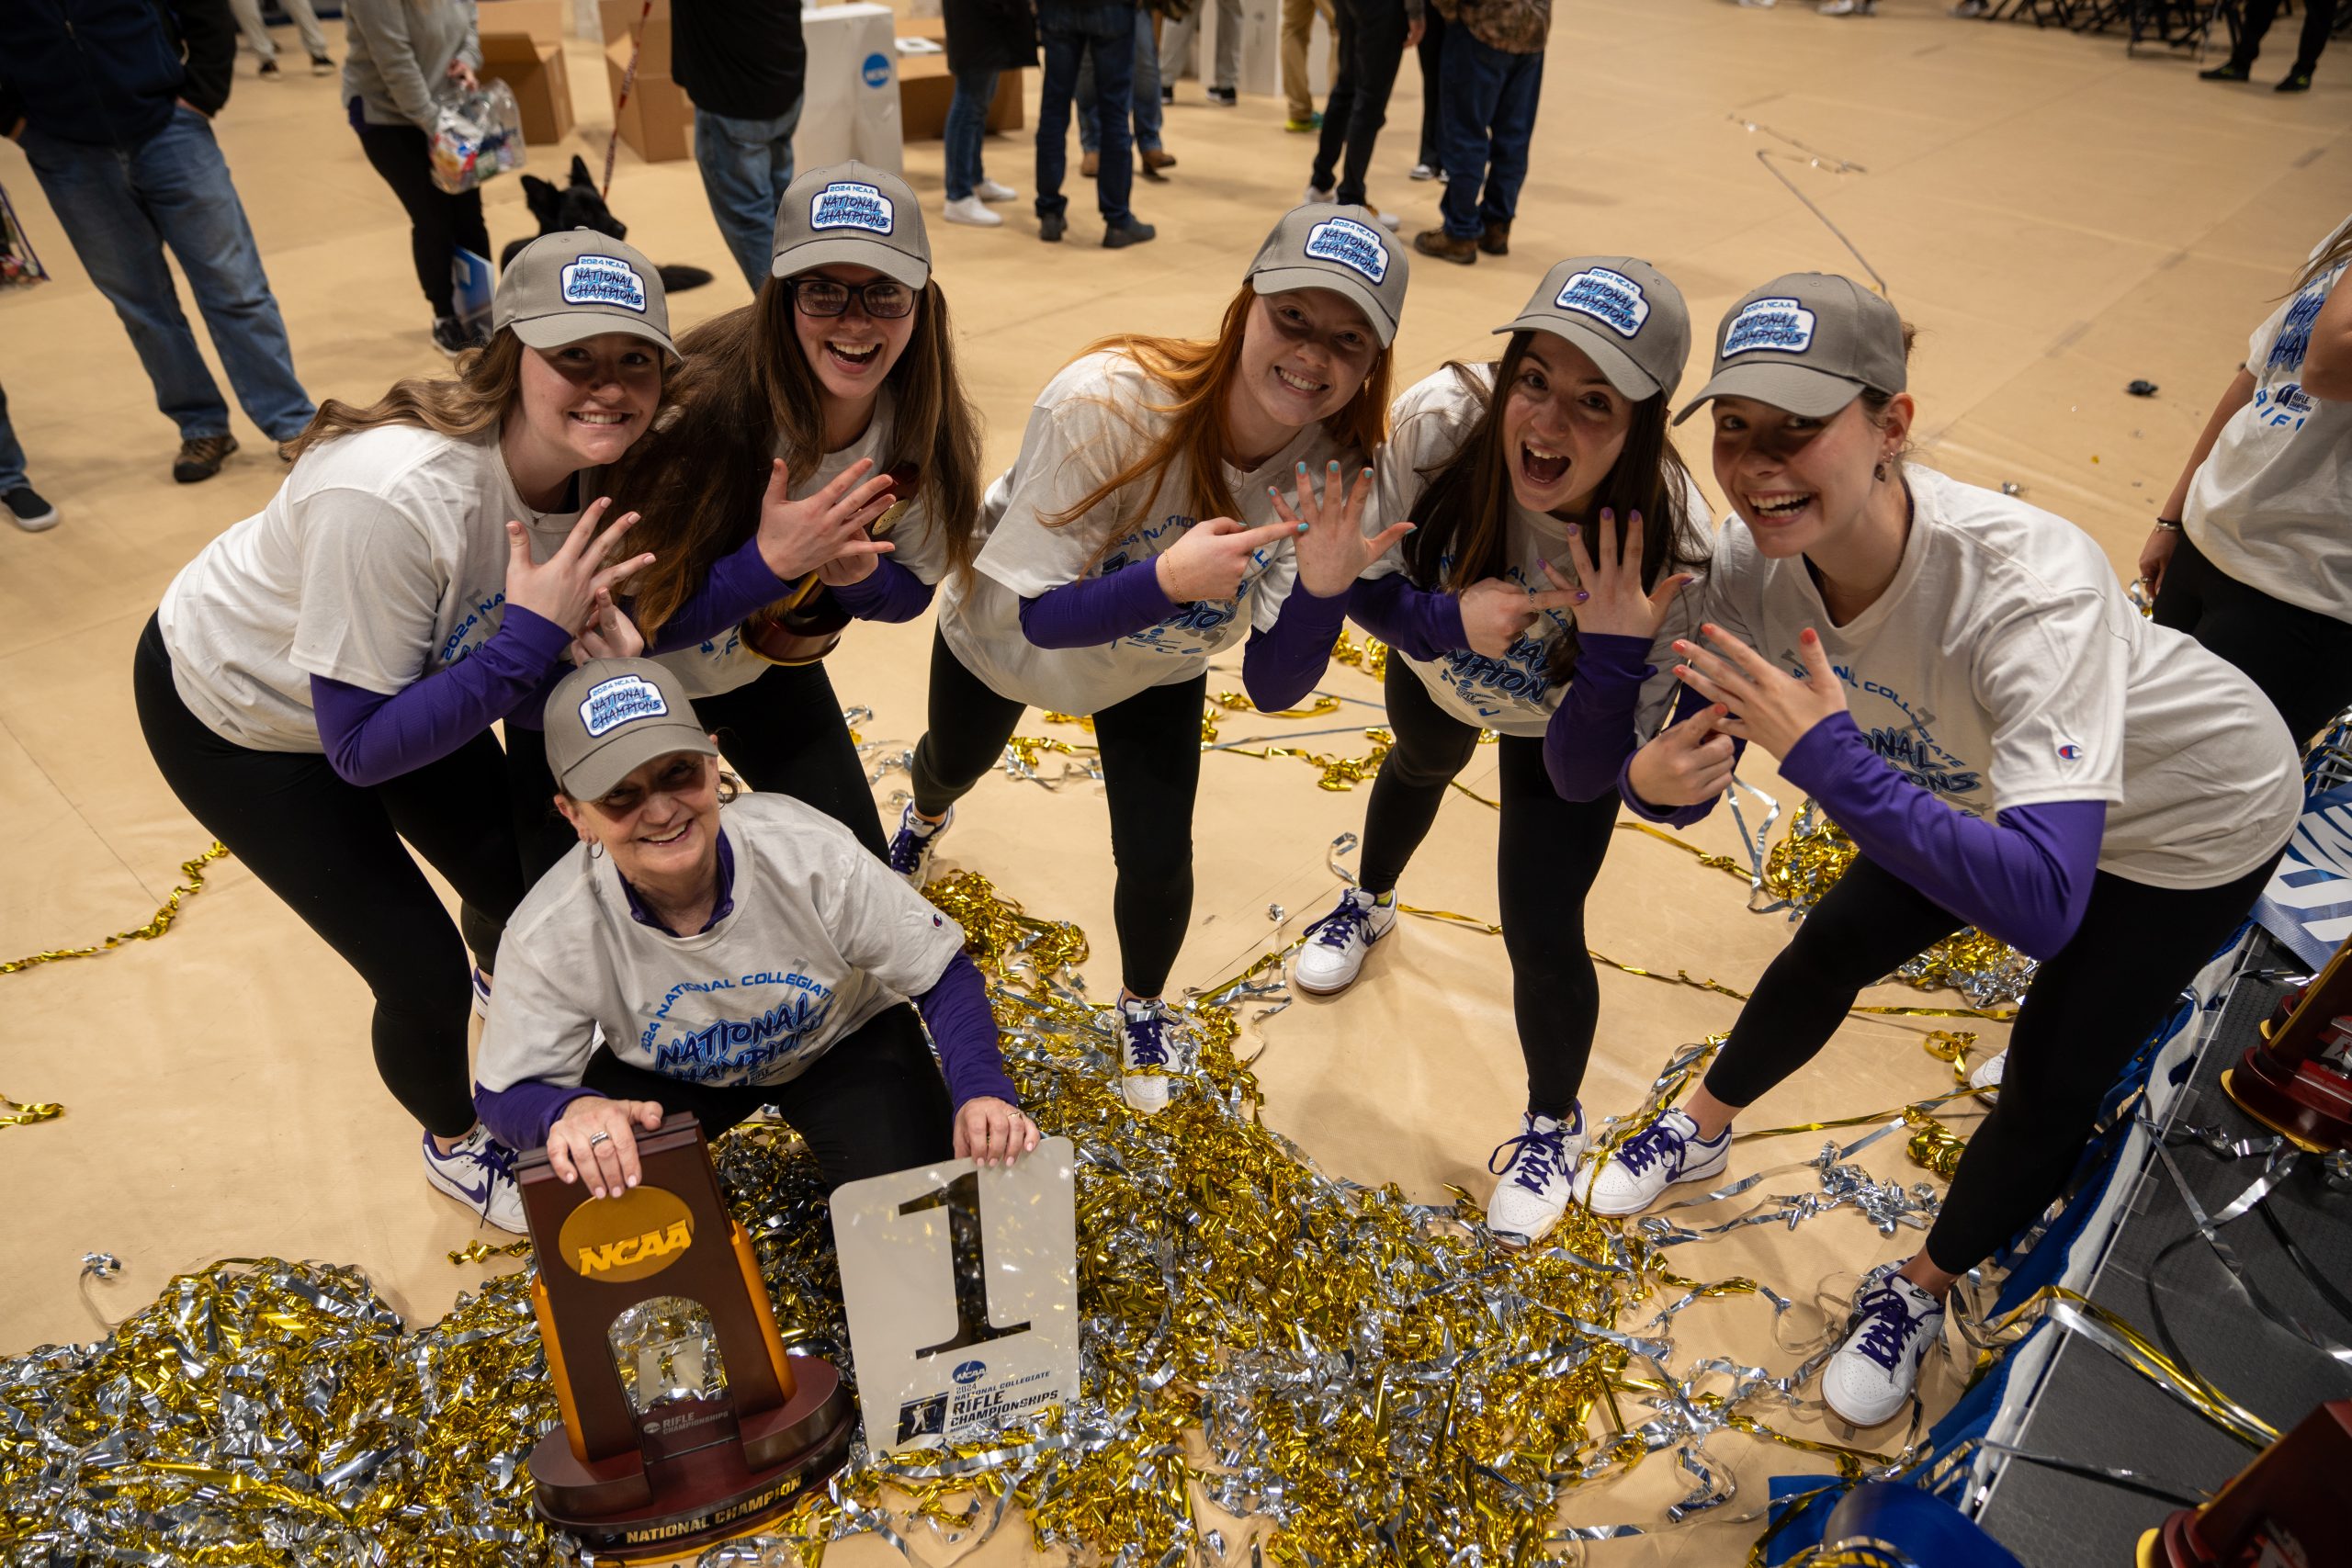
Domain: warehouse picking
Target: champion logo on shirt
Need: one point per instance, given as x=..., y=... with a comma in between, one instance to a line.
x=845, y=204
x=1610, y=297
x=2070, y=751
x=1784, y=326
x=611, y=704
x=603, y=280
x=1351, y=244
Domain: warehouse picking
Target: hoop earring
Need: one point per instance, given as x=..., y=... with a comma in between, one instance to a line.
x=1879, y=472
x=595, y=849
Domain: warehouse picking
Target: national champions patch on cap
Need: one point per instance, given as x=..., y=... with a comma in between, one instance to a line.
x=1784, y=326
x=624, y=698
x=1610, y=297
x=1351, y=244
x=603, y=280
x=845, y=204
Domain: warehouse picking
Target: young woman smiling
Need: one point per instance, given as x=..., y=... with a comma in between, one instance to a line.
x=703, y=952
x=832, y=399
x=1503, y=467
x=318, y=684
x=1138, y=533
x=1959, y=680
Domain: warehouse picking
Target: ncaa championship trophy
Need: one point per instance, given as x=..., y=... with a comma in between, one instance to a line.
x=684, y=1420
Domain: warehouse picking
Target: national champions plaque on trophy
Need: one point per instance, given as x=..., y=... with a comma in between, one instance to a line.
x=684, y=1419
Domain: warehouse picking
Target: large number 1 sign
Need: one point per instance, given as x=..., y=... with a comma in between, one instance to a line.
x=961, y=1286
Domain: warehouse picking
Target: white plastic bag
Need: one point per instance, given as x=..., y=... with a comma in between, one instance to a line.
x=475, y=136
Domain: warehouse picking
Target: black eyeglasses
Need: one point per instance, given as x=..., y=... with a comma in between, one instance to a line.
x=884, y=299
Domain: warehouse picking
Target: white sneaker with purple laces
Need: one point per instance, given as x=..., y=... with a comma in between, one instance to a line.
x=1869, y=1379
x=1337, y=943
x=1143, y=1054
x=1667, y=1150
x=911, y=845
x=479, y=1171
x=1533, y=1191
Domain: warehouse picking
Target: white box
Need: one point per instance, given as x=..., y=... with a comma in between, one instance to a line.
x=849, y=107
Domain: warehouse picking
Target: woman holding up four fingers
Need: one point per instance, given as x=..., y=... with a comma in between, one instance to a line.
x=1959, y=680
x=1139, y=535
x=1507, y=469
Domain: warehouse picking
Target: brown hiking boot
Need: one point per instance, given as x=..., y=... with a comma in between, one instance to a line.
x=1445, y=247
x=201, y=458
x=1495, y=241
x=1154, y=159
x=1090, y=165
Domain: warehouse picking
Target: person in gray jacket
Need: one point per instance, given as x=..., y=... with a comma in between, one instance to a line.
x=400, y=54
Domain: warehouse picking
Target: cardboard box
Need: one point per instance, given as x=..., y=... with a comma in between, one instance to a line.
x=657, y=122
x=542, y=20
x=926, y=88
x=619, y=19
x=540, y=80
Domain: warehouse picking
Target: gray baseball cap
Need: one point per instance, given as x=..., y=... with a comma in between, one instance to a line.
x=562, y=287
x=1806, y=342
x=1625, y=315
x=1323, y=246
x=852, y=213
x=610, y=717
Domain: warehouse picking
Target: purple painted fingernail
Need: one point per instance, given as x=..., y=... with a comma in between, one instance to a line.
x=1582, y=596
x=1573, y=531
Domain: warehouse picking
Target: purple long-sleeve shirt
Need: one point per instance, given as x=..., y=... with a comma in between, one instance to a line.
x=1424, y=623
x=1589, y=742
x=888, y=592
x=1278, y=666
x=956, y=1011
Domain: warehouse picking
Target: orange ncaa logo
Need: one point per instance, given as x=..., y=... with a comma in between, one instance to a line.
x=632, y=1236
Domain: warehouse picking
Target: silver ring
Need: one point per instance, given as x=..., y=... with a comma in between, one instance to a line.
x=596, y=1138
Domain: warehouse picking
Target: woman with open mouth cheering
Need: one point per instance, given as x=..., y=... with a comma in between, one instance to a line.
x=1511, y=471
x=1139, y=535
x=1959, y=680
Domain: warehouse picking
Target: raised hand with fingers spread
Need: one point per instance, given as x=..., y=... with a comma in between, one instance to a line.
x=564, y=587
x=1607, y=597
x=1769, y=706
x=1214, y=556
x=1332, y=549
x=798, y=537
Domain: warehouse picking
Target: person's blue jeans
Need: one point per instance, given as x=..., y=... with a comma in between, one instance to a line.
x=1487, y=98
x=120, y=210
x=1144, y=90
x=12, y=457
x=746, y=164
x=967, y=127
x=1105, y=33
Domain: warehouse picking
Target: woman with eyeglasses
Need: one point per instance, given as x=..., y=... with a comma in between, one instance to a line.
x=833, y=398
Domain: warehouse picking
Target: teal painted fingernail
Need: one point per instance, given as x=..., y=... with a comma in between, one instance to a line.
x=1302, y=527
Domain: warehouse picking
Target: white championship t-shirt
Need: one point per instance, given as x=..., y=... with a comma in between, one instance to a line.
x=1089, y=422
x=380, y=561
x=2005, y=666
x=822, y=936
x=2271, y=505
x=1513, y=695
x=723, y=663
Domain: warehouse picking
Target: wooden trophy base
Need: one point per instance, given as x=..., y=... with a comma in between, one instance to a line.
x=627, y=1508
x=2311, y=1106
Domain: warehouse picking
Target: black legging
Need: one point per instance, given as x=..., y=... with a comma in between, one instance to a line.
x=1150, y=747
x=439, y=222
x=782, y=733
x=2319, y=17
x=2089, y=1010
x=874, y=1103
x=332, y=850
x=1546, y=856
x=1372, y=45
x=2301, y=659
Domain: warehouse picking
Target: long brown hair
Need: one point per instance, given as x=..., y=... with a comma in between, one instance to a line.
x=489, y=382
x=1196, y=372
x=2338, y=249
x=1463, y=512
x=748, y=390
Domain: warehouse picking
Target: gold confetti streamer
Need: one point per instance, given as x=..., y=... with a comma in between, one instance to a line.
x=157, y=924
x=14, y=1115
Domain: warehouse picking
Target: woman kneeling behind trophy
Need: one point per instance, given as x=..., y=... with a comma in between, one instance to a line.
x=712, y=951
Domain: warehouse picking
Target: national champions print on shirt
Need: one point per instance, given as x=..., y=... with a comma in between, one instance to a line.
x=1351, y=245
x=603, y=280
x=847, y=204
x=1784, y=326
x=723, y=1031
x=611, y=704
x=1610, y=297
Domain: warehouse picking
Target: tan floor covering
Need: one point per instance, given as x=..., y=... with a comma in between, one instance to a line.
x=2058, y=218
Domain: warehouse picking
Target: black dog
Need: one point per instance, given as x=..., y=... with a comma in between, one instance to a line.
x=577, y=206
